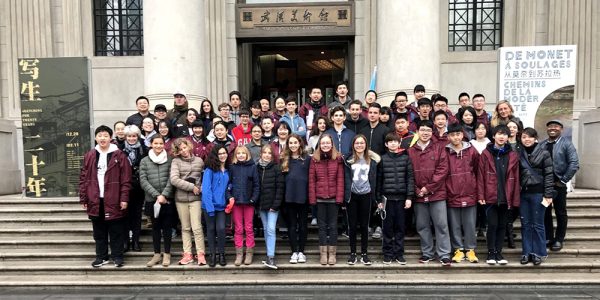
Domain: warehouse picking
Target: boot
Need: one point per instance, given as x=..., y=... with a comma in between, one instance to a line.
x=212, y=260
x=323, y=251
x=135, y=245
x=166, y=260
x=154, y=261
x=239, y=256
x=510, y=236
x=222, y=261
x=249, y=255
x=127, y=246
x=332, y=252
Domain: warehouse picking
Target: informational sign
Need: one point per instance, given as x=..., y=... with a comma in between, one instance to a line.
x=55, y=114
x=539, y=83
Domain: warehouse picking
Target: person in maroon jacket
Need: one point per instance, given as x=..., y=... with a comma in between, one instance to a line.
x=498, y=189
x=199, y=141
x=326, y=190
x=104, y=184
x=461, y=187
x=313, y=108
x=430, y=165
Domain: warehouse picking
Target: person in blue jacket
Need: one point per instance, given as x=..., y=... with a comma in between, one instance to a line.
x=292, y=118
x=342, y=136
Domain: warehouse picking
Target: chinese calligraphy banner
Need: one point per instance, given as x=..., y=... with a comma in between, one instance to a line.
x=55, y=113
x=539, y=82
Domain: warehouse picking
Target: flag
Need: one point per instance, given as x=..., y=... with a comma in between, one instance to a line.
x=373, y=84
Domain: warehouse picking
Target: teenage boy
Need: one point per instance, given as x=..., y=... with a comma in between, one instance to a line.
x=440, y=103
x=312, y=109
x=430, y=164
x=498, y=189
x=256, y=115
x=479, y=106
x=225, y=114
x=418, y=94
x=292, y=118
x=395, y=187
x=104, y=185
x=375, y=132
x=461, y=188
x=355, y=121
x=235, y=101
x=342, y=136
x=241, y=133
x=464, y=100
x=407, y=137
x=424, y=113
x=400, y=106
x=440, y=123
x=341, y=97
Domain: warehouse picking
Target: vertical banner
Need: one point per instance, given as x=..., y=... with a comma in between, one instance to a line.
x=539, y=82
x=55, y=113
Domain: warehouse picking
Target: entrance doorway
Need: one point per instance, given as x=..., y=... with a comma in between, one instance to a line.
x=292, y=69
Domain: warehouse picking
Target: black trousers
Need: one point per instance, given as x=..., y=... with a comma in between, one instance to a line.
x=358, y=212
x=327, y=218
x=297, y=215
x=215, y=231
x=496, y=218
x=161, y=226
x=105, y=231
x=134, y=214
x=393, y=229
x=559, y=203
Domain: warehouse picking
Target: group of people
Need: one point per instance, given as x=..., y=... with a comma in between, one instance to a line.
x=417, y=165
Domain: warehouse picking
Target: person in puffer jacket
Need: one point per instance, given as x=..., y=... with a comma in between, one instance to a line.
x=245, y=190
x=326, y=190
x=461, y=188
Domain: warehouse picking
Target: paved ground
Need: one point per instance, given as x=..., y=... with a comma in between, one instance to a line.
x=309, y=292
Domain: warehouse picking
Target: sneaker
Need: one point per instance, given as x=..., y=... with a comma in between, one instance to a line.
x=446, y=262
x=270, y=263
x=536, y=260
x=425, y=259
x=352, y=259
x=524, y=259
x=377, y=233
x=301, y=258
x=186, y=259
x=471, y=257
x=173, y=233
x=345, y=234
x=387, y=260
x=294, y=258
x=99, y=262
x=313, y=222
x=500, y=259
x=459, y=255
x=401, y=260
x=364, y=259
x=491, y=258
x=118, y=262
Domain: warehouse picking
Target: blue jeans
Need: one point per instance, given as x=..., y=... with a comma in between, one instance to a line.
x=269, y=221
x=532, y=225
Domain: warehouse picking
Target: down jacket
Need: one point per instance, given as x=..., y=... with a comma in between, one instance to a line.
x=154, y=179
x=374, y=160
x=326, y=179
x=271, y=186
x=183, y=172
x=541, y=180
x=487, y=186
x=461, y=183
x=431, y=169
x=389, y=183
x=245, y=185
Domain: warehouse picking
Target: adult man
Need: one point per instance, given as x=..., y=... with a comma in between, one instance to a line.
x=160, y=113
x=464, y=100
x=375, y=132
x=235, y=101
x=142, y=104
x=314, y=108
x=341, y=97
x=566, y=163
x=479, y=106
x=355, y=121
x=178, y=114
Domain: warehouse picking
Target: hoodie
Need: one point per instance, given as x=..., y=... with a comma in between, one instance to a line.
x=461, y=183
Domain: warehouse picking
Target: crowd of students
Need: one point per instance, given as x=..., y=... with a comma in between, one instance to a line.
x=418, y=166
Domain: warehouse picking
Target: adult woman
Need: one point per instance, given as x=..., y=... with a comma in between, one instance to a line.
x=186, y=170
x=119, y=137
x=467, y=118
x=148, y=130
x=537, y=180
x=316, y=132
x=135, y=151
x=326, y=190
x=207, y=114
x=514, y=138
x=283, y=132
x=186, y=129
x=165, y=131
x=154, y=179
x=221, y=136
x=359, y=194
x=279, y=108
x=503, y=113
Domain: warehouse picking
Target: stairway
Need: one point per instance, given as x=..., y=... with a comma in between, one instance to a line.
x=48, y=242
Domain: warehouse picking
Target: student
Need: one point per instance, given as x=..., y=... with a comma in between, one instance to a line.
x=235, y=102
x=407, y=137
x=355, y=121
x=360, y=186
x=241, y=133
x=537, y=184
x=314, y=108
x=315, y=134
x=255, y=113
x=440, y=130
x=395, y=186
x=514, y=140
x=269, y=202
x=376, y=131
x=430, y=165
x=326, y=190
x=225, y=114
x=370, y=99
x=207, y=114
x=185, y=129
x=342, y=136
x=186, y=172
x=104, y=185
x=385, y=117
x=424, y=113
x=268, y=135
x=461, y=187
x=294, y=165
x=215, y=183
x=292, y=118
x=466, y=118
x=200, y=143
x=265, y=108
x=464, y=100
x=244, y=192
x=440, y=103
x=498, y=189
x=221, y=136
x=278, y=144
x=341, y=97
x=165, y=131
x=482, y=116
x=280, y=108
x=148, y=131
x=154, y=179
x=480, y=143
x=400, y=106
x=256, y=143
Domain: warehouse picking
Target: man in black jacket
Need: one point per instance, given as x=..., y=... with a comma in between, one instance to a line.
x=143, y=105
x=376, y=131
x=354, y=120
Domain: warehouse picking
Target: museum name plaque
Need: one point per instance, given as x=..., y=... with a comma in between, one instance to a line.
x=55, y=114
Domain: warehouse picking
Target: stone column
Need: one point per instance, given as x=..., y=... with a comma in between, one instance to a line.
x=174, y=50
x=408, y=47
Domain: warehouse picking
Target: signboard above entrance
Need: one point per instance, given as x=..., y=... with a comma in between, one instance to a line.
x=294, y=20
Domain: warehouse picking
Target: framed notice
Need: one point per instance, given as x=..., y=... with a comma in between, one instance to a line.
x=55, y=113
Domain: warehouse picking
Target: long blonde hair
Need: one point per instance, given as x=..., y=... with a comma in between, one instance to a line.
x=287, y=153
x=496, y=119
x=334, y=153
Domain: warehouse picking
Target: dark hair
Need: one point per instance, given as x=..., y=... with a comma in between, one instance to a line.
x=212, y=160
x=419, y=88
x=401, y=116
x=315, y=128
x=425, y=123
x=103, y=128
x=156, y=136
x=336, y=109
x=197, y=123
x=354, y=102
x=392, y=136
x=386, y=111
x=502, y=129
x=440, y=112
x=337, y=84
x=424, y=101
x=170, y=134
x=478, y=95
x=220, y=123
x=233, y=93
x=440, y=98
x=366, y=154
x=530, y=132
x=257, y=125
x=455, y=127
x=316, y=87
x=141, y=98
x=284, y=124
x=463, y=94
x=255, y=104
x=195, y=113
x=376, y=105
x=211, y=114
x=371, y=91
x=244, y=111
x=289, y=99
x=461, y=113
x=118, y=122
x=400, y=93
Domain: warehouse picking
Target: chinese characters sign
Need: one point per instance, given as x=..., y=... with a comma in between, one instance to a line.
x=55, y=114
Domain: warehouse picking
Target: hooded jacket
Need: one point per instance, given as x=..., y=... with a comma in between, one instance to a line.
x=319, y=109
x=461, y=183
x=242, y=137
x=431, y=169
x=245, y=184
x=342, y=141
x=348, y=175
x=271, y=186
x=296, y=123
x=487, y=184
x=201, y=146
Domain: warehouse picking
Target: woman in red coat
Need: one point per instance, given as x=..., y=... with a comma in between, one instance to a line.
x=326, y=190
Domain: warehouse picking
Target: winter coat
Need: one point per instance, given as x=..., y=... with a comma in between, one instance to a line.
x=184, y=171
x=277, y=150
x=271, y=186
x=536, y=172
x=342, y=142
x=395, y=177
x=336, y=102
x=431, y=169
x=141, y=152
x=407, y=139
x=461, y=183
x=117, y=183
x=228, y=144
x=137, y=119
x=356, y=126
x=241, y=137
x=348, y=175
x=296, y=180
x=319, y=109
x=201, y=147
x=296, y=123
x=214, y=189
x=376, y=137
x=255, y=149
x=487, y=184
x=245, y=184
x=155, y=180
x=564, y=159
x=326, y=179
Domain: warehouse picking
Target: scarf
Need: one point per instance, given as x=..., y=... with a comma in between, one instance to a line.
x=158, y=159
x=132, y=151
x=263, y=163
